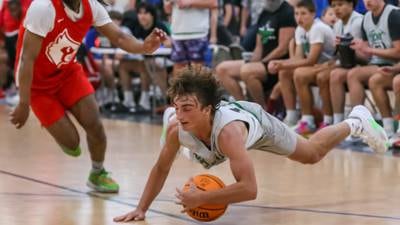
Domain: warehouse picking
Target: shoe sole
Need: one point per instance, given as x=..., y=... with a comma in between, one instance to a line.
x=73, y=153
x=101, y=190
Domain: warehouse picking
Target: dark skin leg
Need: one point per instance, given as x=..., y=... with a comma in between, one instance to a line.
x=88, y=116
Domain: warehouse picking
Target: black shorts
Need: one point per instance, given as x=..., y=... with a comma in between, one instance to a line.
x=269, y=82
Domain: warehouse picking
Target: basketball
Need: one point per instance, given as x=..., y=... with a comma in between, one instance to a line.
x=207, y=212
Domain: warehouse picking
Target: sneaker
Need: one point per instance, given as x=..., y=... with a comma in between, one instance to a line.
x=72, y=152
x=305, y=129
x=130, y=106
x=370, y=131
x=144, y=101
x=102, y=182
x=168, y=114
x=145, y=105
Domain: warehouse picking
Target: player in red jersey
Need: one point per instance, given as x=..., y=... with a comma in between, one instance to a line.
x=51, y=82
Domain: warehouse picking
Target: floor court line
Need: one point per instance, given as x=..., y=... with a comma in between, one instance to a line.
x=119, y=201
x=94, y=195
x=234, y=205
x=322, y=212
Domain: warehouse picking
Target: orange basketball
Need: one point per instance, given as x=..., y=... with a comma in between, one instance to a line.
x=207, y=212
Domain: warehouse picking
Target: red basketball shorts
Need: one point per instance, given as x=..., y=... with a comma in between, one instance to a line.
x=49, y=105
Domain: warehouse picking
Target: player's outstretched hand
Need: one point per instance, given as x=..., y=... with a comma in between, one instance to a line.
x=154, y=40
x=135, y=215
x=19, y=115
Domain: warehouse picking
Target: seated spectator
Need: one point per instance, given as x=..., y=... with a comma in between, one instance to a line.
x=11, y=15
x=381, y=45
x=157, y=4
x=387, y=78
x=349, y=24
x=276, y=27
x=147, y=20
x=105, y=63
x=329, y=16
x=314, y=46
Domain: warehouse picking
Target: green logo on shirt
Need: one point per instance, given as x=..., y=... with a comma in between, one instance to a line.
x=267, y=33
x=375, y=39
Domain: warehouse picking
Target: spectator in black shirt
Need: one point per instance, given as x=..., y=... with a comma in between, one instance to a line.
x=141, y=27
x=275, y=30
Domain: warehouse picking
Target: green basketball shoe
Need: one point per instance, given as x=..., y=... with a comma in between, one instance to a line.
x=72, y=152
x=102, y=182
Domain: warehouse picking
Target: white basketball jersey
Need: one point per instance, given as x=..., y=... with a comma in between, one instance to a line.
x=224, y=115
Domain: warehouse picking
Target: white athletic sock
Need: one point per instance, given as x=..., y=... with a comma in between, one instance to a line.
x=145, y=100
x=128, y=98
x=388, y=125
x=115, y=95
x=328, y=119
x=338, y=117
x=97, y=167
x=291, y=115
x=108, y=95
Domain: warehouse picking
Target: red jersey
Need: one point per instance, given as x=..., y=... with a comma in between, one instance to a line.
x=9, y=24
x=57, y=55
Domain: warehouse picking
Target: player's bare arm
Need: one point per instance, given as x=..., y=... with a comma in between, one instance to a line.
x=129, y=43
x=157, y=175
x=389, y=53
x=30, y=50
x=310, y=60
x=232, y=143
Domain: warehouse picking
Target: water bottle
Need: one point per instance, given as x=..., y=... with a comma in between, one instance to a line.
x=346, y=54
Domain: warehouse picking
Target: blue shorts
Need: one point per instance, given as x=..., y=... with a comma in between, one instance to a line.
x=192, y=50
